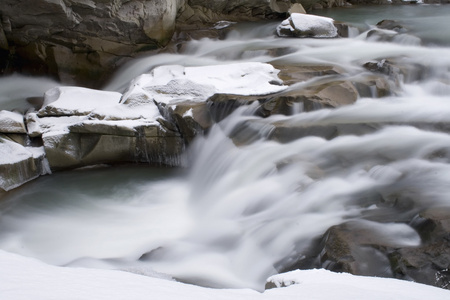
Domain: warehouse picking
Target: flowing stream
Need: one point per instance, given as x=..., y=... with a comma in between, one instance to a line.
x=238, y=214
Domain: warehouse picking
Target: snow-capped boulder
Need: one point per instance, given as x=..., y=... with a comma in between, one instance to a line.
x=304, y=25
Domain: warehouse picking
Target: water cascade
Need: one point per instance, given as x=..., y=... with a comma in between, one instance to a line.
x=253, y=199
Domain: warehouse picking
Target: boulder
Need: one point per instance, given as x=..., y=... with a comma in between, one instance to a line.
x=429, y=262
x=304, y=26
x=360, y=247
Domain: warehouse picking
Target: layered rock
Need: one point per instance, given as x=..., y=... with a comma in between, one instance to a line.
x=20, y=162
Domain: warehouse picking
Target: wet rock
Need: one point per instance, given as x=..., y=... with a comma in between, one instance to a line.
x=191, y=118
x=391, y=25
x=430, y=262
x=291, y=74
x=361, y=247
x=316, y=96
x=398, y=70
x=285, y=131
x=221, y=106
x=418, y=252
x=375, y=86
x=392, y=31
x=381, y=35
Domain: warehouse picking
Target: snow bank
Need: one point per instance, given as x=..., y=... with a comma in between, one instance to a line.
x=169, y=84
x=303, y=25
x=24, y=278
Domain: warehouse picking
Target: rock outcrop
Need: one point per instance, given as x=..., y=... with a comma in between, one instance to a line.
x=78, y=41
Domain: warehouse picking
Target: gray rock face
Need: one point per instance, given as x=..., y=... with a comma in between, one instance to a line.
x=79, y=40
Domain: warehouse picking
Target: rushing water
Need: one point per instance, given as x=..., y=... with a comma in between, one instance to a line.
x=239, y=212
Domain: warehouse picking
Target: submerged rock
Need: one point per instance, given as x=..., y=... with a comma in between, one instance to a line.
x=392, y=31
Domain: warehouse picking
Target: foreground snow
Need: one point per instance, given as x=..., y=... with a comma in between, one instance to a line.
x=24, y=278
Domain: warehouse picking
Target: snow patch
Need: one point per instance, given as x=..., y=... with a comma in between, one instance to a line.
x=188, y=113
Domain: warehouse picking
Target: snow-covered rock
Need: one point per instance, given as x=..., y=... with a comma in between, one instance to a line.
x=25, y=278
x=11, y=122
x=75, y=101
x=171, y=84
x=304, y=25
x=81, y=126
x=19, y=164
